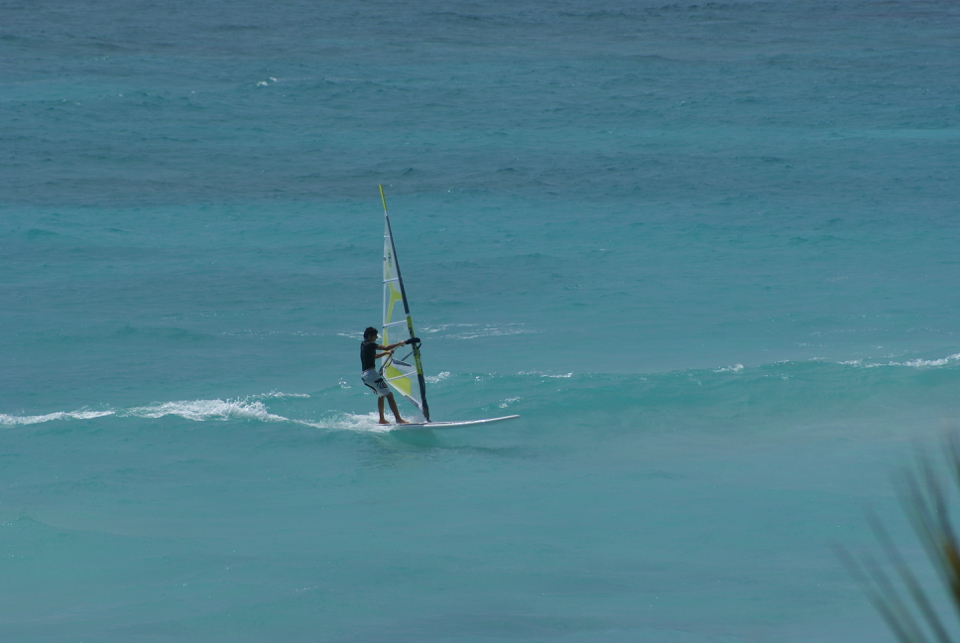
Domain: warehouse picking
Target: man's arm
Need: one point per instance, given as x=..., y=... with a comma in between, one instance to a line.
x=388, y=348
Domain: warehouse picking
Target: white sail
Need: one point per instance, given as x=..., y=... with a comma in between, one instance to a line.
x=403, y=370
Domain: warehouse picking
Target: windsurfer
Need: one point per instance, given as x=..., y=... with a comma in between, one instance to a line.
x=372, y=377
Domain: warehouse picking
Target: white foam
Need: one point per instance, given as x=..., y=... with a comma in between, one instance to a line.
x=473, y=331
x=369, y=423
x=268, y=333
x=736, y=368
x=925, y=363
x=11, y=420
x=507, y=402
x=249, y=408
x=440, y=328
x=206, y=410
x=913, y=363
x=542, y=374
x=439, y=377
x=491, y=331
x=202, y=410
x=277, y=395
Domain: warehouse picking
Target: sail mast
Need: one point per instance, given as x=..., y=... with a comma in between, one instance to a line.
x=406, y=378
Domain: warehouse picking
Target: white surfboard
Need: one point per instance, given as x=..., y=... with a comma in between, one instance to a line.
x=431, y=426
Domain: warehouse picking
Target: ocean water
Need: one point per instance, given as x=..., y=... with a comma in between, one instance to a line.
x=707, y=252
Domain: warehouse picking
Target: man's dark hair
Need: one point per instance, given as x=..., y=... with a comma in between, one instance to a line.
x=370, y=332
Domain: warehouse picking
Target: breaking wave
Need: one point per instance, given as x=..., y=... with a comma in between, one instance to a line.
x=11, y=420
x=201, y=410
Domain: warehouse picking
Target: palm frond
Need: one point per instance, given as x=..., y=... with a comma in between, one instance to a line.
x=902, y=601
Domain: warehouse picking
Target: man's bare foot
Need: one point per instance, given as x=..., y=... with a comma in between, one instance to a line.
x=383, y=421
x=399, y=421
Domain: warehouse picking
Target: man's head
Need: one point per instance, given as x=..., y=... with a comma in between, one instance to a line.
x=371, y=333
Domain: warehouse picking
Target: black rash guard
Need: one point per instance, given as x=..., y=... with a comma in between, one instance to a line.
x=368, y=355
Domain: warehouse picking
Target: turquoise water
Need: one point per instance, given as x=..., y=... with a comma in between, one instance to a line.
x=707, y=253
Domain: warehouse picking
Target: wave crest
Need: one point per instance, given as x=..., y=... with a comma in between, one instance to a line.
x=11, y=420
x=200, y=410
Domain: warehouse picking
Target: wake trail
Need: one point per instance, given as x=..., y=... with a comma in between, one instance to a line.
x=251, y=408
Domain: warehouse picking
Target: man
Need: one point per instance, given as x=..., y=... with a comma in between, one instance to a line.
x=371, y=376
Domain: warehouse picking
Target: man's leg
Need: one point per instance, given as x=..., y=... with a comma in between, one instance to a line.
x=383, y=420
x=396, y=411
